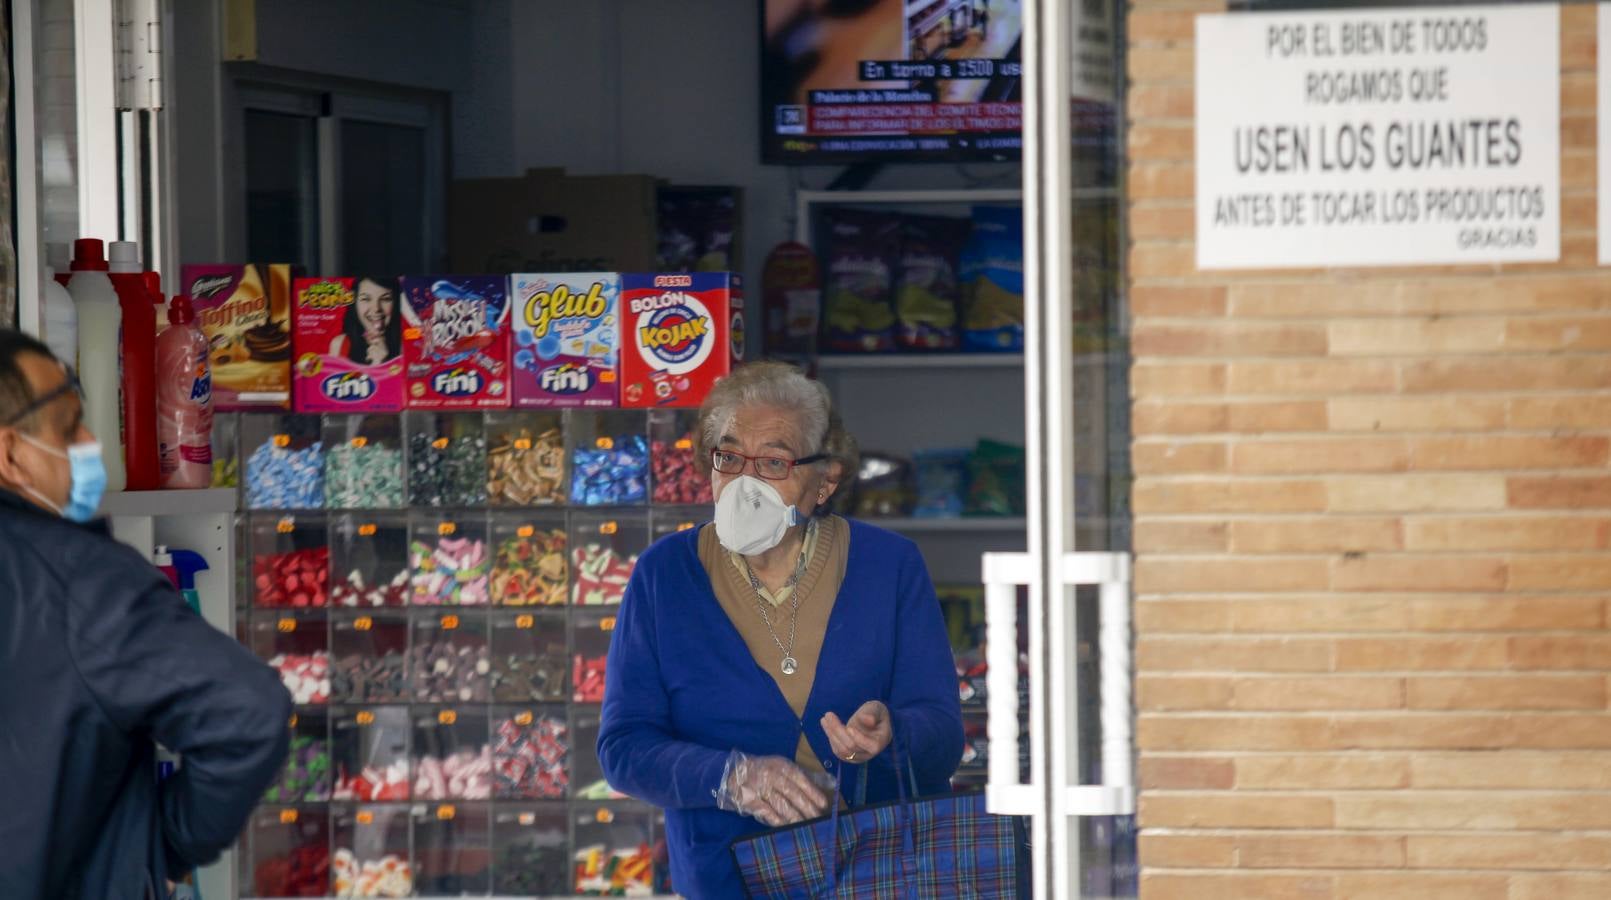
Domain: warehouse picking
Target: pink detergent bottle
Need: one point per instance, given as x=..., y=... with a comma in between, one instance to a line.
x=184, y=400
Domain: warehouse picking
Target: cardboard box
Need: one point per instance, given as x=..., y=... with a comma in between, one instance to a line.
x=349, y=346
x=456, y=341
x=548, y=221
x=681, y=334
x=567, y=338
x=245, y=311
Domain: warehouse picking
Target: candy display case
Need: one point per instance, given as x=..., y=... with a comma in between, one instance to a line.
x=452, y=849
x=526, y=459
x=590, y=648
x=371, y=855
x=530, y=850
x=296, y=644
x=369, y=652
x=450, y=660
x=226, y=447
x=452, y=754
x=530, y=656
x=678, y=476
x=306, y=777
x=363, y=462
x=612, y=853
x=447, y=459
x=290, y=559
x=284, y=461
x=604, y=548
x=369, y=748
x=449, y=560
x=289, y=852
x=588, y=774
x=369, y=560
x=531, y=559
x=531, y=753
x=609, y=457
x=665, y=521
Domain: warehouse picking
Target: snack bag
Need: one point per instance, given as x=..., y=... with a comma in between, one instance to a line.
x=567, y=340
x=681, y=334
x=858, y=307
x=456, y=341
x=349, y=345
x=927, y=290
x=993, y=275
x=245, y=311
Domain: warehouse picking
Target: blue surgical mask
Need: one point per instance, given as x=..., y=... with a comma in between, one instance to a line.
x=89, y=479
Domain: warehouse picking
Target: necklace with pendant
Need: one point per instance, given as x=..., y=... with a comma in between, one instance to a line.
x=789, y=665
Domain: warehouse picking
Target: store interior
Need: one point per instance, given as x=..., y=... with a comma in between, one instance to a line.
x=434, y=579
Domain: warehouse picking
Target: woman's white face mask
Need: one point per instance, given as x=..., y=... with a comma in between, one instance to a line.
x=751, y=516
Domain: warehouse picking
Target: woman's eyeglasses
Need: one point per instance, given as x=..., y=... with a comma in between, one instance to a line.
x=772, y=468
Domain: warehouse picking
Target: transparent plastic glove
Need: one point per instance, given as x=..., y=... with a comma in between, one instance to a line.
x=772, y=790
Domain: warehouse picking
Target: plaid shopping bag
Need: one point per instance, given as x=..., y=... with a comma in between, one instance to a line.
x=935, y=847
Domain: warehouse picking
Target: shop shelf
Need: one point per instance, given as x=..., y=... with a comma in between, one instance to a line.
x=156, y=504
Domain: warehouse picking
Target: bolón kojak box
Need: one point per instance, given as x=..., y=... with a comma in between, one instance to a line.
x=682, y=333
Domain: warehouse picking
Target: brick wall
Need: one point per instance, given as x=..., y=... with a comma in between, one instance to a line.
x=1373, y=515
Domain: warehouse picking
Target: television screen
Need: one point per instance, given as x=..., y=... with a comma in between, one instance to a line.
x=847, y=81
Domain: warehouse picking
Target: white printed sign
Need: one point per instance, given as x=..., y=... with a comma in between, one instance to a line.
x=1379, y=138
x=1605, y=134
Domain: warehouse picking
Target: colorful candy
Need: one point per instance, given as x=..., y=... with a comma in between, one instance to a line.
x=447, y=472
x=615, y=472
x=453, y=573
x=353, y=590
x=363, y=475
x=278, y=477
x=373, y=783
x=677, y=479
x=618, y=872
x=523, y=470
x=601, y=575
x=305, y=675
x=447, y=671
x=389, y=876
x=531, y=570
x=298, y=579
x=587, y=673
x=464, y=775
x=366, y=678
x=306, y=776
x=531, y=761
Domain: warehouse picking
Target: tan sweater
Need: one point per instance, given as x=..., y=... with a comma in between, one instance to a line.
x=818, y=589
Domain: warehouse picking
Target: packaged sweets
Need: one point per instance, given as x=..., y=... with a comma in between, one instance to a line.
x=245, y=312
x=455, y=341
x=993, y=281
x=567, y=340
x=349, y=345
x=927, y=289
x=682, y=334
x=858, y=304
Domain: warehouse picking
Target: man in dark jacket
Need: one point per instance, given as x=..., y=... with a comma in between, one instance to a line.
x=100, y=660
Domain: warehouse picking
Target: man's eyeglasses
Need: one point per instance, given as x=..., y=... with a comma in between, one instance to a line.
x=71, y=385
x=772, y=468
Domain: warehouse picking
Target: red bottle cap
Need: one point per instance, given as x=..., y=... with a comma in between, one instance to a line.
x=89, y=255
x=180, y=311
x=153, y=285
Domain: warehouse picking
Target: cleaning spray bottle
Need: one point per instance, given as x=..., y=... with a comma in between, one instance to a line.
x=100, y=321
x=139, y=367
x=181, y=567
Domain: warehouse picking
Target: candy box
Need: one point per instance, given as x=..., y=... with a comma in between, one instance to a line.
x=245, y=311
x=348, y=345
x=566, y=339
x=682, y=334
x=456, y=341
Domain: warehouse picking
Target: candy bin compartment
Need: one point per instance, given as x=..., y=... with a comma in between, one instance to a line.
x=530, y=854
x=665, y=521
x=369, y=564
x=530, y=560
x=290, y=852
x=590, y=647
x=609, y=458
x=284, y=462
x=613, y=853
x=604, y=548
x=679, y=477
x=451, y=661
x=447, y=459
x=370, y=752
x=363, y=462
x=290, y=560
x=526, y=458
x=531, y=753
x=371, y=857
x=452, y=757
x=453, y=849
x=295, y=644
x=588, y=782
x=226, y=449
x=530, y=659
x=306, y=775
x=370, y=657
x=450, y=562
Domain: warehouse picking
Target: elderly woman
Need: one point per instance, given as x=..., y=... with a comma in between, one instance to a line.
x=753, y=654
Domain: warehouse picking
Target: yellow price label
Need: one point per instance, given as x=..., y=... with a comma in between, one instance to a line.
x=412, y=334
x=604, y=816
x=286, y=525
x=525, y=621
x=607, y=623
x=685, y=526
x=287, y=817
x=523, y=717
x=293, y=720
x=447, y=528
x=282, y=440
x=523, y=444
x=366, y=818
x=610, y=527
x=359, y=443
x=286, y=626
x=685, y=444
x=367, y=529
x=450, y=622
x=366, y=717
x=605, y=443
x=440, y=443
x=525, y=531
x=447, y=717
x=528, y=818
x=363, y=623
x=446, y=812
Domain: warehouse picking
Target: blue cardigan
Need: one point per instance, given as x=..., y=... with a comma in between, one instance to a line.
x=682, y=690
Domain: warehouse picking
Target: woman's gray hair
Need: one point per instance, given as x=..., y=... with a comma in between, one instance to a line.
x=782, y=386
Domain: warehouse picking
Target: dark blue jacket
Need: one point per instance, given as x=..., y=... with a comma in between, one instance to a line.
x=99, y=659
x=682, y=690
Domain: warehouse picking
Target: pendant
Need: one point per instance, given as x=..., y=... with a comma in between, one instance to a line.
x=789, y=665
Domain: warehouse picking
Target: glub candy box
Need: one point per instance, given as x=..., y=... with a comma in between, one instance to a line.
x=456, y=341
x=681, y=333
x=245, y=312
x=566, y=339
x=348, y=345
